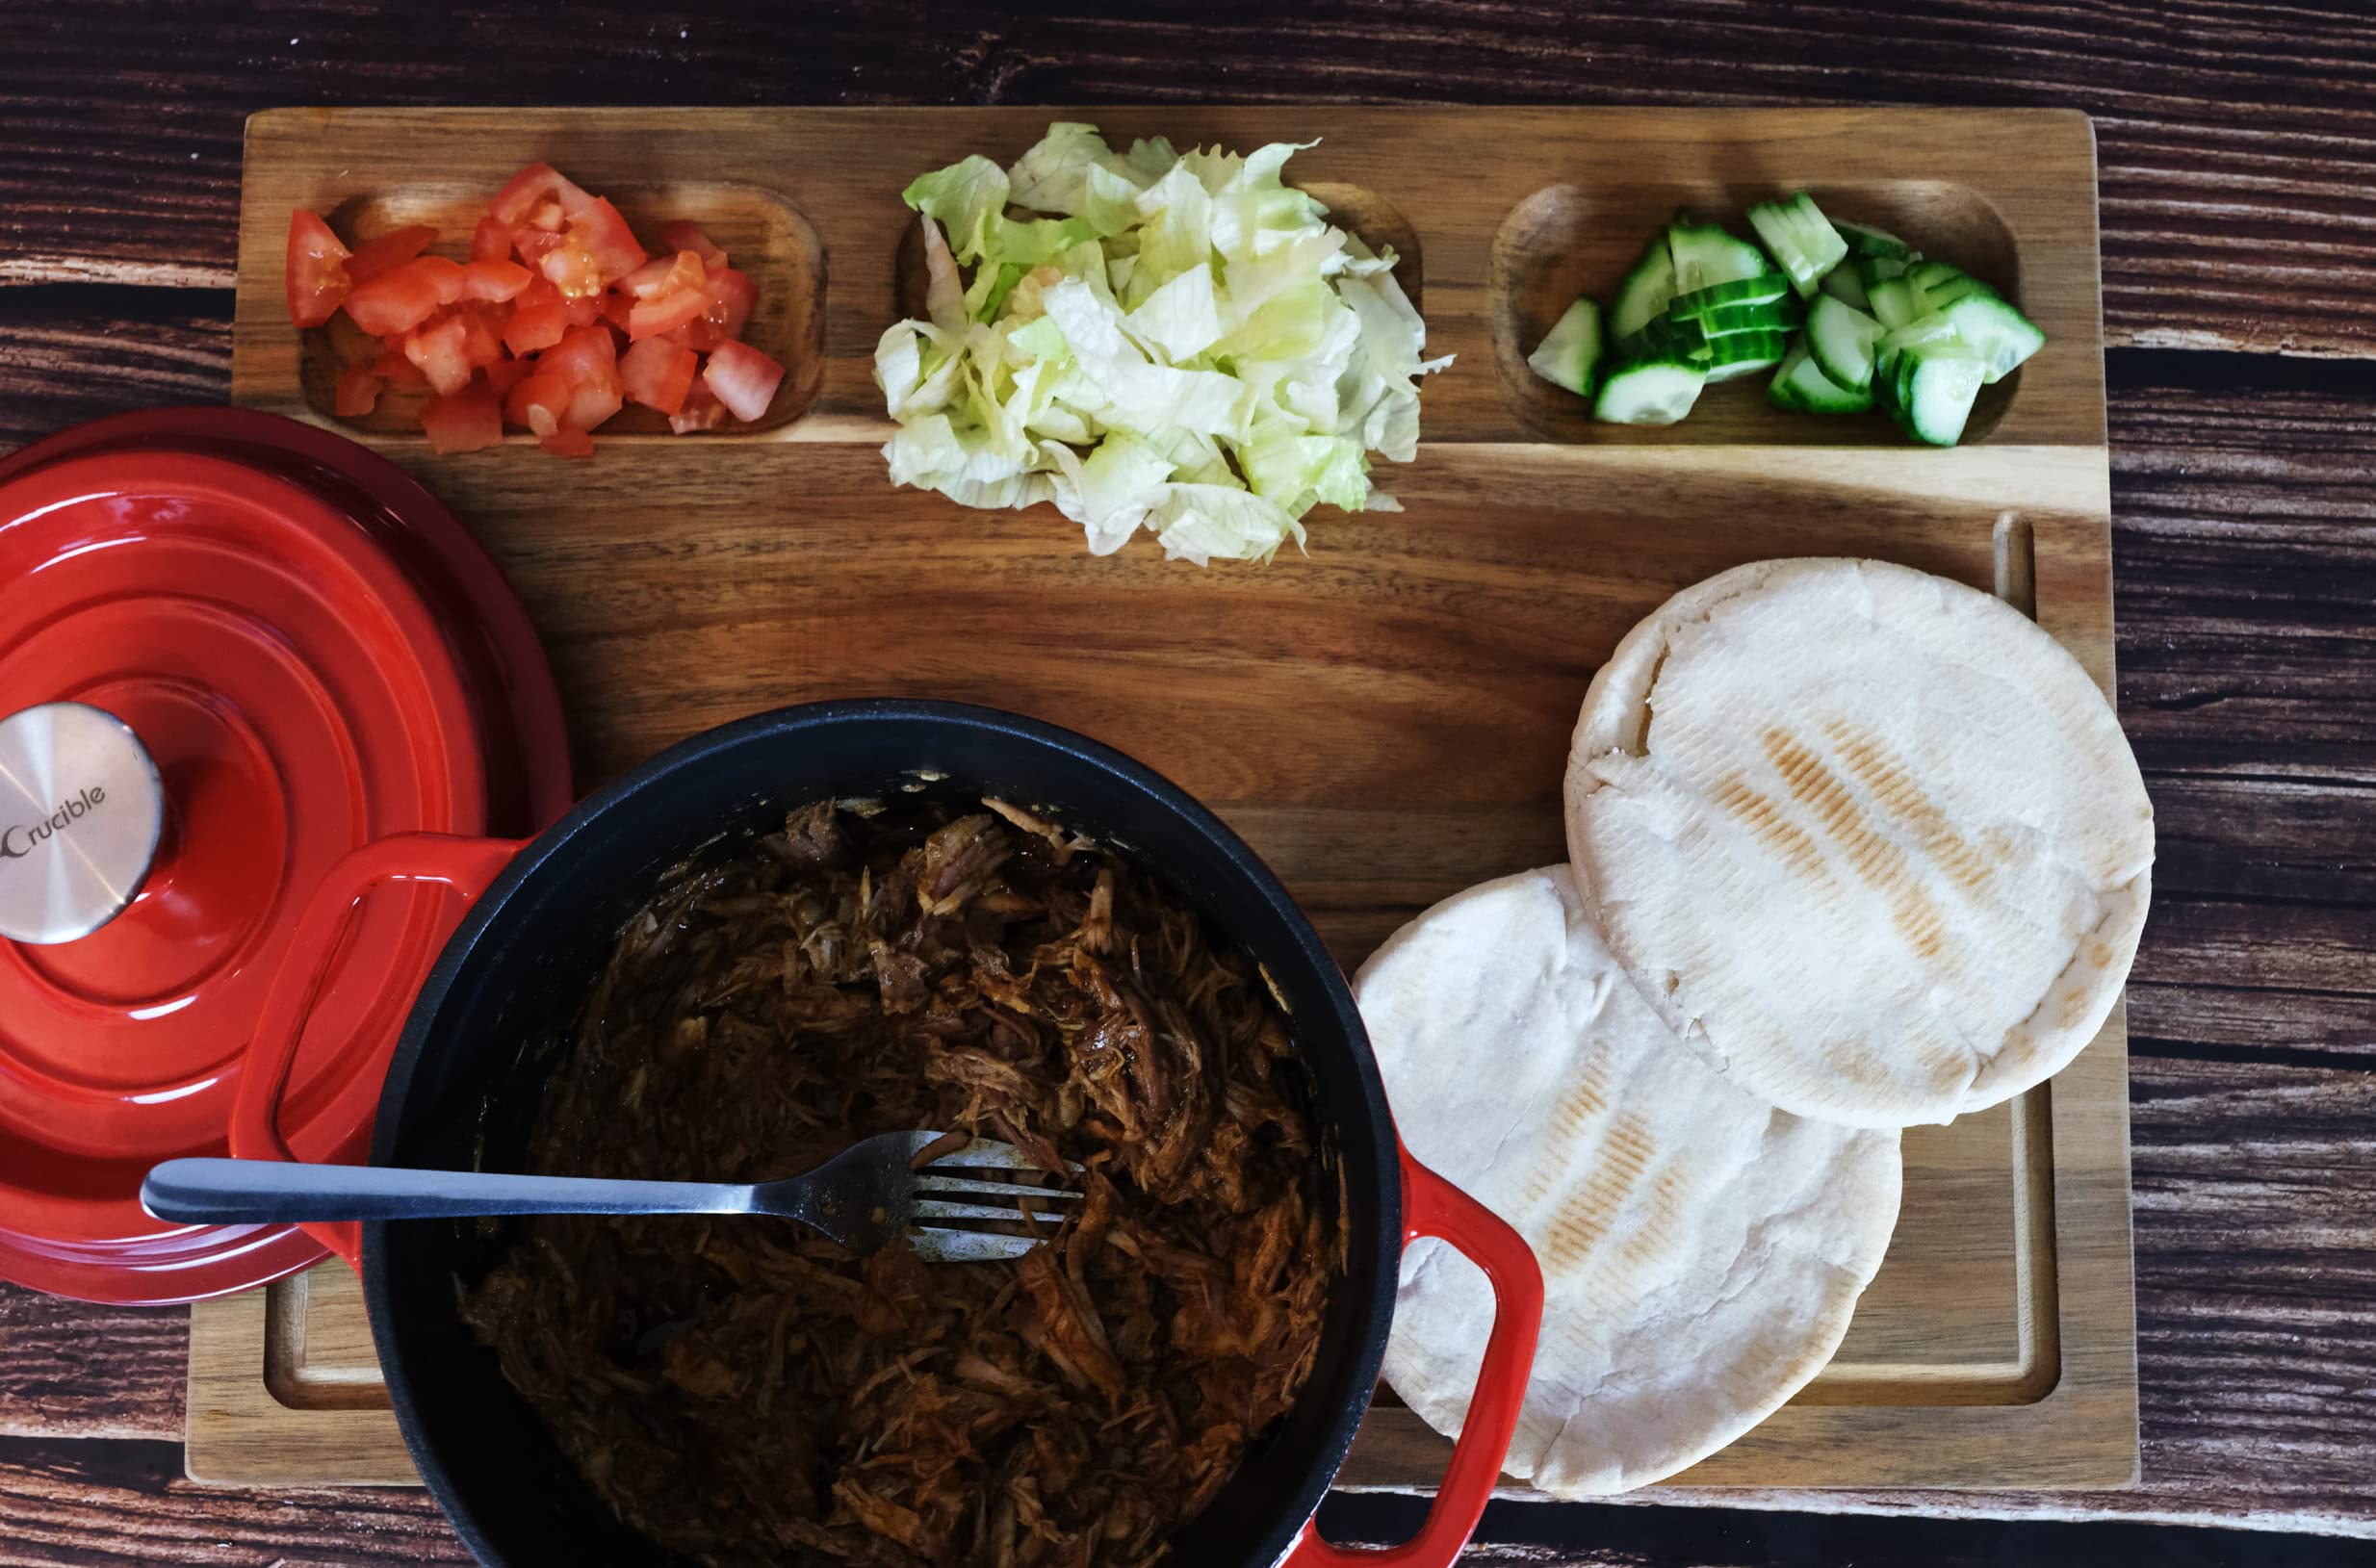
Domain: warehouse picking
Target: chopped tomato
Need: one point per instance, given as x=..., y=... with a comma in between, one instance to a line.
x=507, y=373
x=316, y=279
x=496, y=280
x=392, y=368
x=732, y=294
x=403, y=298
x=573, y=270
x=437, y=349
x=358, y=392
x=391, y=249
x=483, y=333
x=616, y=308
x=666, y=274
x=539, y=401
x=534, y=187
x=658, y=374
x=588, y=363
x=687, y=235
x=490, y=241
x=603, y=234
x=464, y=420
x=702, y=410
x=584, y=311
x=566, y=442
x=666, y=313
x=744, y=379
x=533, y=243
x=538, y=319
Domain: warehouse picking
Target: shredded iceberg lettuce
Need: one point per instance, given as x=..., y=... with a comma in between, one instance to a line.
x=1170, y=341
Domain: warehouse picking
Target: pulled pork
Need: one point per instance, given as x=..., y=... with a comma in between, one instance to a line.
x=744, y=1391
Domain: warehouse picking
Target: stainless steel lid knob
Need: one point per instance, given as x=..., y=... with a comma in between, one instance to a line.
x=81, y=811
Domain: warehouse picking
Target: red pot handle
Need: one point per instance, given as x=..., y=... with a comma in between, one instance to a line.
x=467, y=865
x=1433, y=1206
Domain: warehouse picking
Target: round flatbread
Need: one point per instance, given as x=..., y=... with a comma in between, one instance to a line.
x=1869, y=840
x=1701, y=1251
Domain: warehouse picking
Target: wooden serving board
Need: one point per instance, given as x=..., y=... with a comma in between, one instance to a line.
x=1386, y=719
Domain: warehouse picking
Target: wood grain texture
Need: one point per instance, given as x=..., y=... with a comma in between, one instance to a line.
x=71, y=1369
x=2239, y=169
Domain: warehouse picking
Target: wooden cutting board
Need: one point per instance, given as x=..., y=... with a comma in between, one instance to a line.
x=1386, y=719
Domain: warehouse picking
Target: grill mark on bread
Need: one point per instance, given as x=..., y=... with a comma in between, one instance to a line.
x=1652, y=1237
x=1874, y=767
x=1880, y=862
x=1585, y=1221
x=1762, y=816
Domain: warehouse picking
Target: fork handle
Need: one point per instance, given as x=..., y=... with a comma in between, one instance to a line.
x=270, y=1192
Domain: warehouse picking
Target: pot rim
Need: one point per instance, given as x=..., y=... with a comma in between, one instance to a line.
x=1340, y=1014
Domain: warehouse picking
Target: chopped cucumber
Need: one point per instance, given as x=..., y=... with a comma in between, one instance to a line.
x=1931, y=276
x=1737, y=354
x=1665, y=338
x=1864, y=239
x=1569, y=356
x=1650, y=391
x=2000, y=335
x=1782, y=314
x=1937, y=383
x=1802, y=384
x=1895, y=303
x=1799, y=236
x=1706, y=255
x=1872, y=269
x=1840, y=339
x=1844, y=285
x=1645, y=289
x=1761, y=289
x=1943, y=288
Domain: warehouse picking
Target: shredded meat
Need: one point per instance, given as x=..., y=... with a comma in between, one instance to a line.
x=745, y=1391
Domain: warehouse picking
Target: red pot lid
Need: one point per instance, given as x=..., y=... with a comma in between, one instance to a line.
x=298, y=694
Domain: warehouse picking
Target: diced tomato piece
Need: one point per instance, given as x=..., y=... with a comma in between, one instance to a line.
x=482, y=337
x=567, y=442
x=647, y=278
x=358, y=392
x=702, y=410
x=744, y=379
x=616, y=307
x=315, y=275
x=507, y=373
x=392, y=249
x=584, y=310
x=588, y=363
x=392, y=368
x=495, y=280
x=490, y=241
x=658, y=374
x=538, y=402
x=572, y=268
x=464, y=420
x=665, y=275
x=603, y=235
x=538, y=319
x=685, y=235
x=732, y=296
x=532, y=188
x=664, y=314
x=437, y=349
x=535, y=244
x=404, y=296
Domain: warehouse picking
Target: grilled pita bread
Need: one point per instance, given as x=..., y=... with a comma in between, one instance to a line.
x=1869, y=840
x=1701, y=1251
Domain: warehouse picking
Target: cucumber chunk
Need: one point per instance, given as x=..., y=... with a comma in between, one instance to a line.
x=1864, y=239
x=1737, y=354
x=1895, y=303
x=2000, y=335
x=1569, y=356
x=1705, y=255
x=1761, y=289
x=1872, y=269
x=1840, y=339
x=1800, y=384
x=1783, y=315
x=1665, y=338
x=1801, y=237
x=1649, y=392
x=1937, y=383
x=1645, y=291
x=1844, y=285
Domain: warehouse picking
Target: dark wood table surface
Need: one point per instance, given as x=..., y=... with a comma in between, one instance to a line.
x=2237, y=144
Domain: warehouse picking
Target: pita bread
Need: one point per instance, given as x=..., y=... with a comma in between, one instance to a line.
x=1869, y=840
x=1701, y=1250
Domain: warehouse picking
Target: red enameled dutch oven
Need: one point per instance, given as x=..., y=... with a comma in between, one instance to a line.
x=471, y=1064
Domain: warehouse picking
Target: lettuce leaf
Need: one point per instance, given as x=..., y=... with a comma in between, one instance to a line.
x=1178, y=344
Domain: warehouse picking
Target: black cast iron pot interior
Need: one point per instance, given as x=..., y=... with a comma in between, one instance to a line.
x=481, y=1039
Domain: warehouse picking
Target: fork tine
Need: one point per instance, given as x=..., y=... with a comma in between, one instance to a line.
x=966, y=1245
x=934, y=1208
x=927, y=1182
x=989, y=1154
